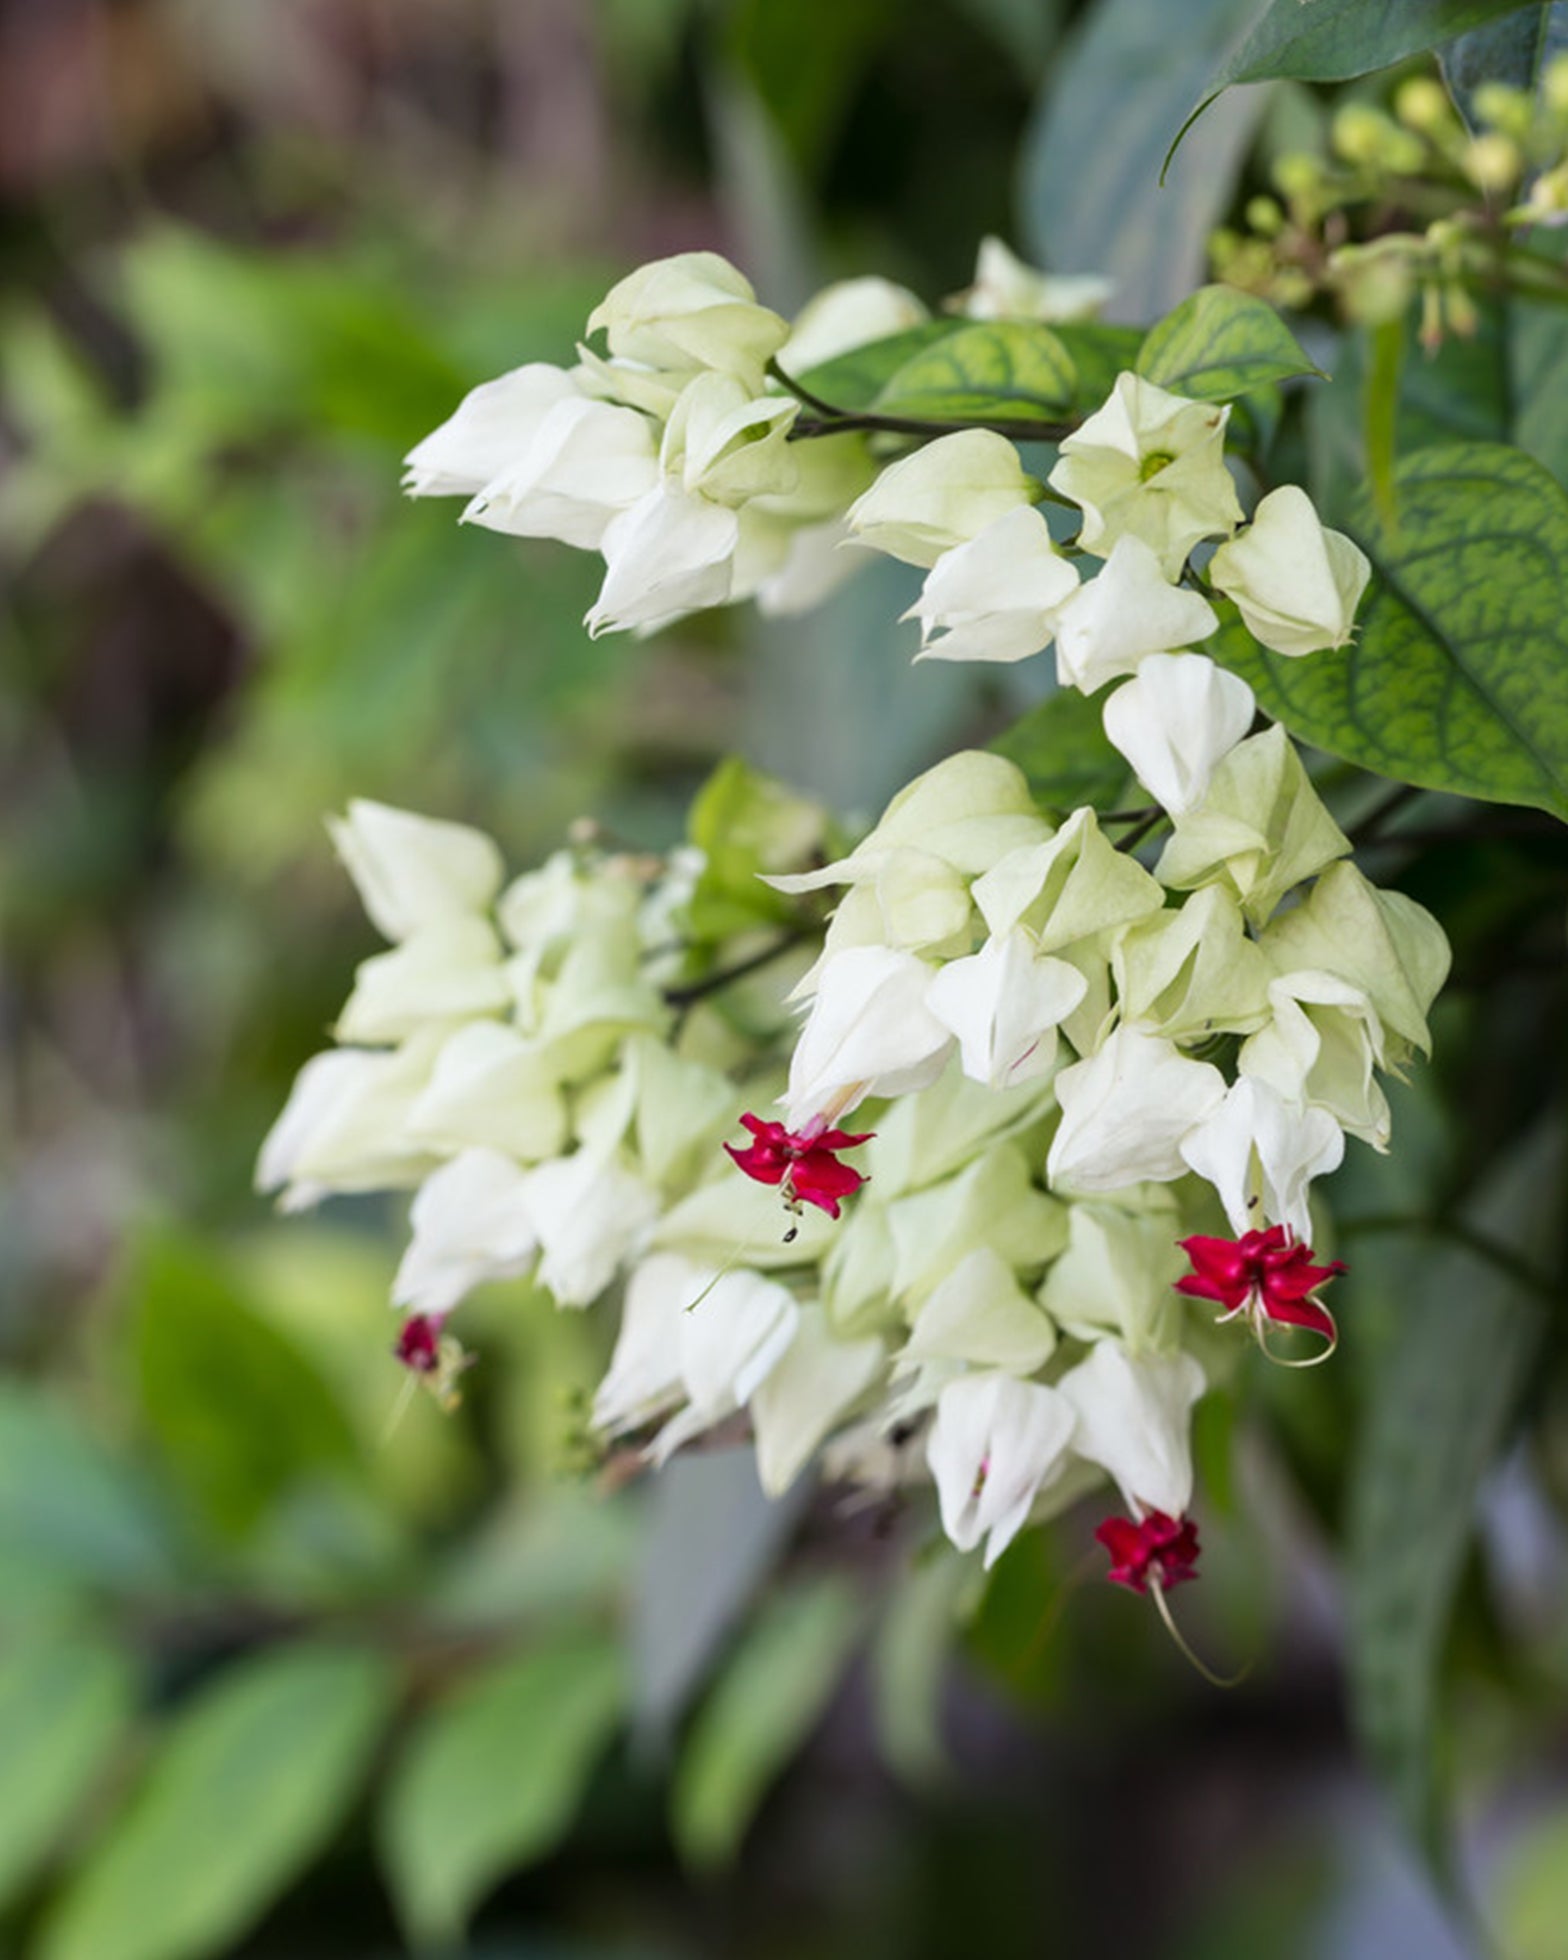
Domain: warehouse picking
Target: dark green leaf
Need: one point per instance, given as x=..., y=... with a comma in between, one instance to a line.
x=239, y=1413
x=1458, y=677
x=1514, y=51
x=492, y=1778
x=759, y=1713
x=1439, y=1412
x=1099, y=353
x=954, y=369
x=1003, y=370
x=1221, y=343
x=1333, y=40
x=1090, y=171
x=64, y=1702
x=1062, y=747
x=851, y=382
x=251, y=1783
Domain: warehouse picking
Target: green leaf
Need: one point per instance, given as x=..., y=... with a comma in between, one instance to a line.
x=1221, y=343
x=746, y=823
x=1090, y=171
x=1438, y=1413
x=1514, y=51
x=759, y=1713
x=65, y=1700
x=1334, y=40
x=1003, y=370
x=493, y=1777
x=851, y=382
x=250, y=1785
x=1100, y=353
x=1530, y=1899
x=1062, y=747
x=66, y=1505
x=240, y=1414
x=1458, y=677
x=957, y=370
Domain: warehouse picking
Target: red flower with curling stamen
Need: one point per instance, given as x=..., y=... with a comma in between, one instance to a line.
x=802, y=1161
x=1264, y=1275
x=1155, y=1546
x=419, y=1343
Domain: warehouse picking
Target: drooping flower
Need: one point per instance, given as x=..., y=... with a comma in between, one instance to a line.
x=1175, y=721
x=1296, y=583
x=1154, y=1546
x=1262, y=1275
x=942, y=496
x=1134, y=1420
x=804, y=1162
x=490, y=427
x=581, y=465
x=1126, y=1111
x=432, y=1358
x=470, y=1225
x=869, y=1033
x=1126, y=612
x=1257, y=1147
x=419, y=1343
x=994, y=1444
x=997, y=596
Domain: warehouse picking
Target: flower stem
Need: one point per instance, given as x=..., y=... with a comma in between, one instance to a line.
x=726, y=976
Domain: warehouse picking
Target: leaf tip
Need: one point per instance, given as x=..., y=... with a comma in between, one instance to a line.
x=1176, y=139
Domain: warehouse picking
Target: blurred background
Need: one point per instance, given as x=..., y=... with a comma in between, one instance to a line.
x=277, y=1678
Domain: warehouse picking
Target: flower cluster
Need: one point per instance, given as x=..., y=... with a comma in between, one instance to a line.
x=669, y=451
x=1339, y=224
x=1075, y=1068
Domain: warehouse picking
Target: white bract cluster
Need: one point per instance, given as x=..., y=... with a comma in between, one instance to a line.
x=514, y=1062
x=668, y=449
x=511, y=1056
x=1062, y=1060
x=972, y=932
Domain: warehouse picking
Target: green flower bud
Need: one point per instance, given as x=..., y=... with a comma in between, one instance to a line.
x=1423, y=104
x=1504, y=108
x=1493, y=162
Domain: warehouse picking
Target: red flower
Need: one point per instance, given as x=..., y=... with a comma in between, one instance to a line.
x=1157, y=1546
x=802, y=1161
x=1265, y=1275
x=419, y=1343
